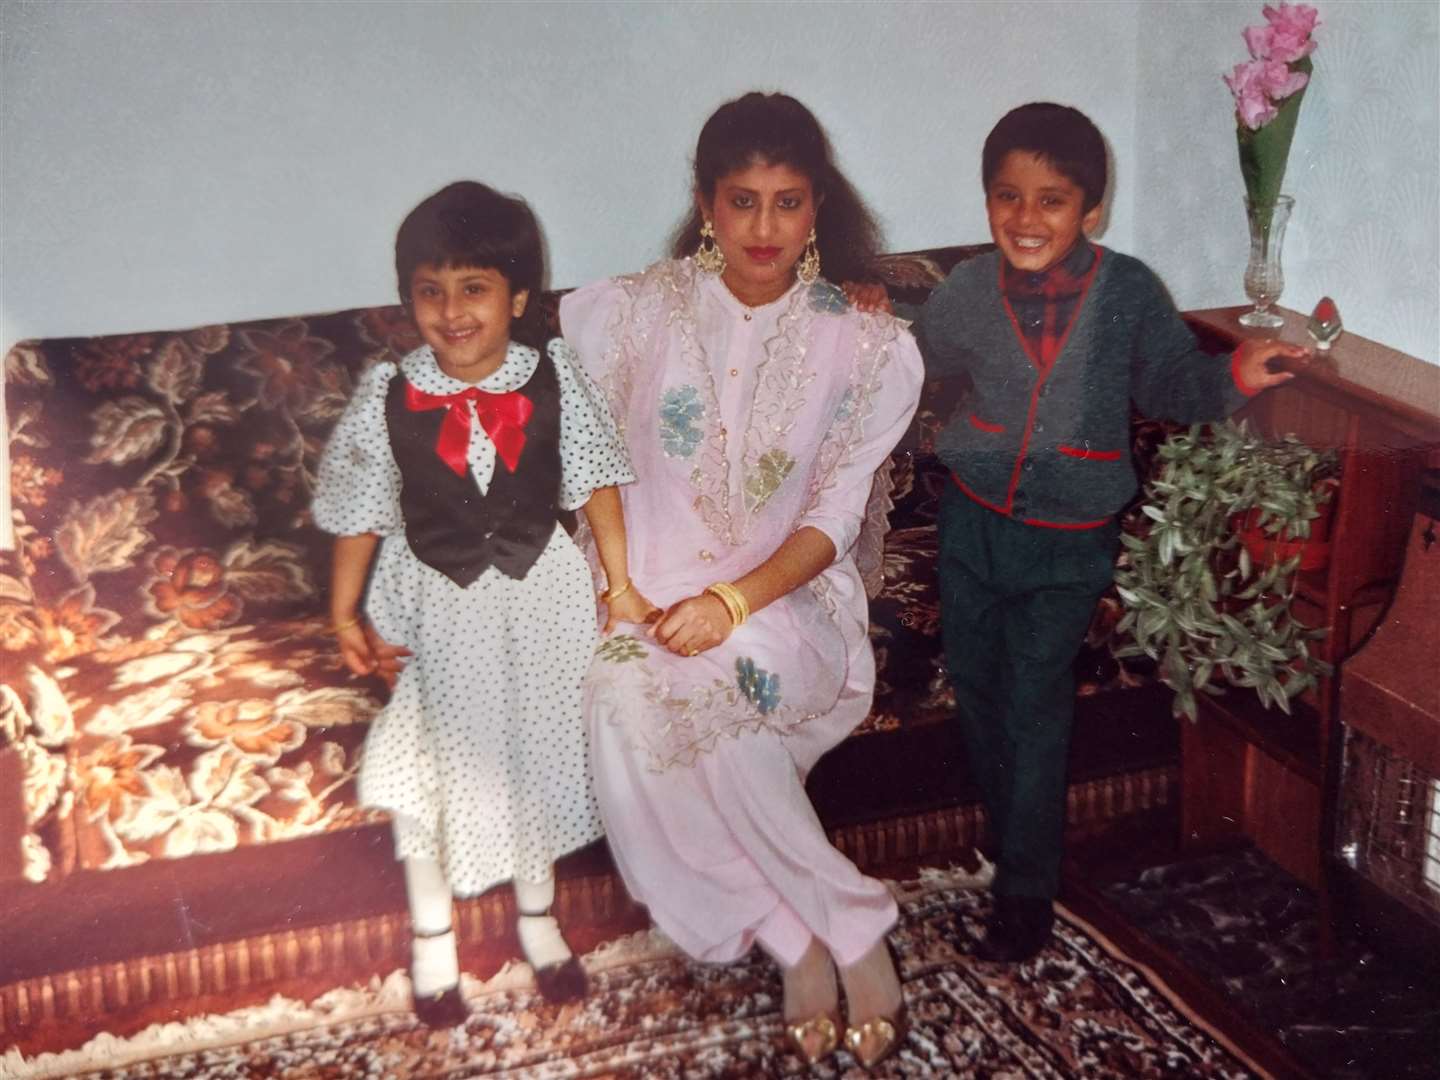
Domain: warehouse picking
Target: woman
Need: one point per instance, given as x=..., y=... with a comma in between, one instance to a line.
x=756, y=405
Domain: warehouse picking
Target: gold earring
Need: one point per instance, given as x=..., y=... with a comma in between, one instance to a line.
x=708, y=257
x=808, y=268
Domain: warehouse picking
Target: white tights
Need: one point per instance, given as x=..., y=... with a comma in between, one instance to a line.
x=435, y=963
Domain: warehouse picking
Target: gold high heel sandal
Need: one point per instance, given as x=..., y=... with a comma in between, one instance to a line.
x=815, y=1039
x=891, y=1031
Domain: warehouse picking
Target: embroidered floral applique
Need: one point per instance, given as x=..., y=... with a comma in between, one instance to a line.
x=828, y=298
x=680, y=414
x=770, y=472
x=847, y=404
x=620, y=649
x=760, y=687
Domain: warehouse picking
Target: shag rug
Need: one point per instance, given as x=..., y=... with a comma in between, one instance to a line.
x=1081, y=1008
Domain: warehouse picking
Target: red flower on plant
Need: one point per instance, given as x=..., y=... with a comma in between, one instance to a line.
x=192, y=588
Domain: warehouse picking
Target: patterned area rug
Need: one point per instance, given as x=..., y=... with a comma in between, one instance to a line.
x=1079, y=1009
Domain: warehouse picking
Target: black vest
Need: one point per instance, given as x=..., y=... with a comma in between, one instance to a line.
x=453, y=527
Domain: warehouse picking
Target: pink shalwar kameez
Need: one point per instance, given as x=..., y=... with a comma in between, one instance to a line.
x=743, y=425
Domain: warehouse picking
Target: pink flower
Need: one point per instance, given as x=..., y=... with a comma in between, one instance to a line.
x=1279, y=82
x=1297, y=19
x=1285, y=35
x=1254, y=108
x=1259, y=86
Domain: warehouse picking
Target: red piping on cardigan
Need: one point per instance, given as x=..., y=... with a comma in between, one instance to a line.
x=1086, y=454
x=1046, y=373
x=1037, y=522
x=985, y=425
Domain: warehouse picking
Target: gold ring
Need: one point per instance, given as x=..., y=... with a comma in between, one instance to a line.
x=689, y=652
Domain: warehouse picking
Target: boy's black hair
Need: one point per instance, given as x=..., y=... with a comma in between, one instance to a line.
x=468, y=224
x=1064, y=138
x=775, y=129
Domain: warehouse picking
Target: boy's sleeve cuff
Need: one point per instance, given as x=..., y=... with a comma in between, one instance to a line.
x=1240, y=384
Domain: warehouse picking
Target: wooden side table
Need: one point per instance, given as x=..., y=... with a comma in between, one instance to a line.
x=1259, y=774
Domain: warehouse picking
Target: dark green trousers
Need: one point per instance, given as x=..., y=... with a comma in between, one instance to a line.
x=1015, y=601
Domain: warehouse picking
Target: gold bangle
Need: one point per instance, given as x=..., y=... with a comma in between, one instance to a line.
x=610, y=595
x=338, y=627
x=740, y=602
x=733, y=599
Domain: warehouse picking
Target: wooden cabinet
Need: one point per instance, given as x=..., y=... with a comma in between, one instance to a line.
x=1249, y=772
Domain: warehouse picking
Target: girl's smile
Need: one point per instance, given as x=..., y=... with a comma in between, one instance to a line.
x=464, y=315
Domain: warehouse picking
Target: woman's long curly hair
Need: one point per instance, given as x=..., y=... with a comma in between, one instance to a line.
x=775, y=129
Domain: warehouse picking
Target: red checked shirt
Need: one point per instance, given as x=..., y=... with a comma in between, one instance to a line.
x=1044, y=303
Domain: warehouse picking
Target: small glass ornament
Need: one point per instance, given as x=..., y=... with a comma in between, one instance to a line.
x=1324, y=325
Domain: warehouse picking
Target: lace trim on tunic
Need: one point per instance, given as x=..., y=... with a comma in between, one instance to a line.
x=693, y=724
x=668, y=292
x=872, y=353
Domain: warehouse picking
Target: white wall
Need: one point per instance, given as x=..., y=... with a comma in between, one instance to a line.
x=1364, y=168
x=166, y=165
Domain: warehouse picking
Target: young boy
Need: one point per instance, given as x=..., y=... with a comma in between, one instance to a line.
x=1059, y=336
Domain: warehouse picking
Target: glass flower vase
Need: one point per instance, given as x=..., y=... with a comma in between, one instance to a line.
x=1264, y=275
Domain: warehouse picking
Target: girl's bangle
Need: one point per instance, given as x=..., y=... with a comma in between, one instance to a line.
x=611, y=595
x=347, y=624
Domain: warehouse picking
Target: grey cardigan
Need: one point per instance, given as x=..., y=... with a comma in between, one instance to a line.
x=1053, y=449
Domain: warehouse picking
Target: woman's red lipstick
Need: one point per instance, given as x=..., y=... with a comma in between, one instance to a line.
x=762, y=254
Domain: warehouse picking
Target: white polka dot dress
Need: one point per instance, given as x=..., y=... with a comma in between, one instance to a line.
x=480, y=756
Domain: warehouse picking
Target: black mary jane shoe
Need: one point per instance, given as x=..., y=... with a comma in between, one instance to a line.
x=1017, y=931
x=562, y=982
x=444, y=1009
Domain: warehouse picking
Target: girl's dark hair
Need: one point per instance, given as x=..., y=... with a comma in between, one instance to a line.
x=467, y=224
x=1062, y=137
x=775, y=129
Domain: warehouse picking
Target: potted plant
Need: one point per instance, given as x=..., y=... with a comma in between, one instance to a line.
x=1198, y=601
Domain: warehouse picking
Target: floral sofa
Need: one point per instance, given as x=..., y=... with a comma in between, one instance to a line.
x=170, y=697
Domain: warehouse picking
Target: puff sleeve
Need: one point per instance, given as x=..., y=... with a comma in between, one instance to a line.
x=358, y=486
x=591, y=453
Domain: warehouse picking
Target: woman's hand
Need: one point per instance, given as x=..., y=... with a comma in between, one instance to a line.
x=631, y=606
x=693, y=625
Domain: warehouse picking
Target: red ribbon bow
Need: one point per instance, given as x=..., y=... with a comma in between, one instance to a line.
x=503, y=416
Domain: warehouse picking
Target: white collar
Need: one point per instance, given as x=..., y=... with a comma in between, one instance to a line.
x=423, y=370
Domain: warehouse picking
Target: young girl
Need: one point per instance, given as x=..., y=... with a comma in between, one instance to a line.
x=455, y=464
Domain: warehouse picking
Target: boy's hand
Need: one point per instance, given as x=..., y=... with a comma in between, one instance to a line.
x=1258, y=363
x=869, y=297
x=631, y=606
